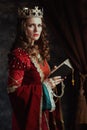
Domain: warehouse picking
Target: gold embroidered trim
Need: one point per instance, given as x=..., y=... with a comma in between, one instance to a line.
x=40, y=119
x=34, y=61
x=54, y=122
x=12, y=89
x=46, y=121
x=15, y=81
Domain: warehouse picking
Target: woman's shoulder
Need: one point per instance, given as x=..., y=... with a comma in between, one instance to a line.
x=19, y=52
x=19, y=55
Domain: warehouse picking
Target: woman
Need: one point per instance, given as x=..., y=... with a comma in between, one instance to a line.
x=28, y=74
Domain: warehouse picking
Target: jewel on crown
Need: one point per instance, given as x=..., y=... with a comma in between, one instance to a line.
x=25, y=12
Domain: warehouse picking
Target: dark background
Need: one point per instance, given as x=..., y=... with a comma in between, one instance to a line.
x=7, y=36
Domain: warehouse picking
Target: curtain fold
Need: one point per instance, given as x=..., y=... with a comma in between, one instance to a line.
x=66, y=17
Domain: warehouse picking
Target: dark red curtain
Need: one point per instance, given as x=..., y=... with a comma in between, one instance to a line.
x=69, y=20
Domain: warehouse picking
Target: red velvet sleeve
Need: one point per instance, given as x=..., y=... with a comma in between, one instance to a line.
x=18, y=62
x=25, y=99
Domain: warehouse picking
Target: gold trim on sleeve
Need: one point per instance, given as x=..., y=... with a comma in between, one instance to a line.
x=15, y=81
x=12, y=89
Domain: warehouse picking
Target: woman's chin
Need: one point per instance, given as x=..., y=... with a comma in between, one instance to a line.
x=36, y=38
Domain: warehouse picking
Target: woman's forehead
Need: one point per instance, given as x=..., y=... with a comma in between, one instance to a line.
x=34, y=20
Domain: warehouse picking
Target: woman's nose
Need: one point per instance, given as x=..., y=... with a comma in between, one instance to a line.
x=36, y=29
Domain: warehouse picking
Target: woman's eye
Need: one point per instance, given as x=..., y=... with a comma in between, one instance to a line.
x=31, y=25
x=39, y=25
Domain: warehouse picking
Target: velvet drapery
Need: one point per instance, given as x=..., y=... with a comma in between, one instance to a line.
x=69, y=19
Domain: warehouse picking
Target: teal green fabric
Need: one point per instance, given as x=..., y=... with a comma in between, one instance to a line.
x=46, y=99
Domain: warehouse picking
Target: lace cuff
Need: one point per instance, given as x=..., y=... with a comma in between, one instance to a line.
x=48, y=96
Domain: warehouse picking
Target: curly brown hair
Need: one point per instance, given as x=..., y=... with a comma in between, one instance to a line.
x=22, y=41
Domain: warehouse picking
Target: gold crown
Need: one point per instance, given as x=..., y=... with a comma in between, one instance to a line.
x=25, y=12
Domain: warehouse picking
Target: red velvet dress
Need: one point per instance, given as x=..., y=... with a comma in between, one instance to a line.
x=25, y=93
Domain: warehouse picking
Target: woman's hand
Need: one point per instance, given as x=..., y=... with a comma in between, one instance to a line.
x=54, y=81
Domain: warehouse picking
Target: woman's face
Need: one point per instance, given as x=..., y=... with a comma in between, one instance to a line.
x=33, y=28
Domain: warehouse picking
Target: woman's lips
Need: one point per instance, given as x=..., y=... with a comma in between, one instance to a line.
x=36, y=35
